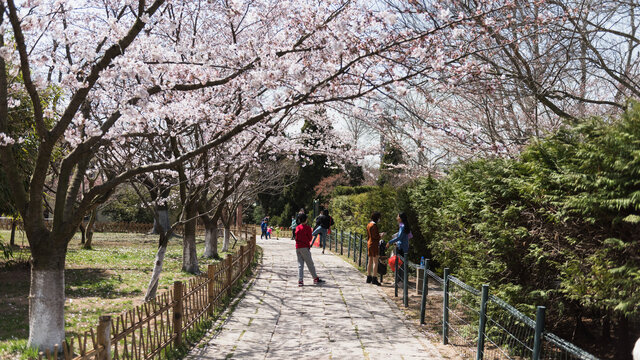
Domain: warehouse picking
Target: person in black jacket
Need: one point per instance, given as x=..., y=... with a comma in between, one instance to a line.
x=323, y=223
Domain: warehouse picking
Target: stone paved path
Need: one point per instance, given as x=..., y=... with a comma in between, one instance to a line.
x=342, y=319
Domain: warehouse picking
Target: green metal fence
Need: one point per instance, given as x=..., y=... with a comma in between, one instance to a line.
x=474, y=322
x=482, y=326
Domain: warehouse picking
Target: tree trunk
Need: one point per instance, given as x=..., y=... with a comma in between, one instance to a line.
x=83, y=236
x=161, y=223
x=12, y=239
x=92, y=220
x=227, y=237
x=239, y=216
x=189, y=254
x=87, y=244
x=157, y=268
x=46, y=297
x=211, y=239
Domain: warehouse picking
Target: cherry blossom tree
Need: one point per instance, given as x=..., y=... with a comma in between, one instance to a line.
x=130, y=69
x=505, y=72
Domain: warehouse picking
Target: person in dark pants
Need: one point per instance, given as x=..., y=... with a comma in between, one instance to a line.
x=323, y=223
x=303, y=252
x=264, y=226
x=401, y=239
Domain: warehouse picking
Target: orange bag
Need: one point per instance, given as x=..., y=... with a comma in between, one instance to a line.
x=392, y=263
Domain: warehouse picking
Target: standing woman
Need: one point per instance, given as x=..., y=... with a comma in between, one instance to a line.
x=402, y=237
x=373, y=248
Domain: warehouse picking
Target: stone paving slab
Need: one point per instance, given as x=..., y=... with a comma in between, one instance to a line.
x=341, y=319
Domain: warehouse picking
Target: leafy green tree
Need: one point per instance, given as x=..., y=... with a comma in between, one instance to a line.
x=280, y=207
x=258, y=214
x=391, y=157
x=125, y=206
x=355, y=173
x=352, y=212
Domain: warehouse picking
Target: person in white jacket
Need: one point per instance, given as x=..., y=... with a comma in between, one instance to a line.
x=636, y=351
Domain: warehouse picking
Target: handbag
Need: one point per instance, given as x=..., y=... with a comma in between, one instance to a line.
x=382, y=267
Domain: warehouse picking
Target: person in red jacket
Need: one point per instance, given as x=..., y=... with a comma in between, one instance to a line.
x=303, y=250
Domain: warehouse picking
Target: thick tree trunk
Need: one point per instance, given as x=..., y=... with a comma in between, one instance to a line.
x=210, y=238
x=211, y=242
x=189, y=254
x=46, y=308
x=227, y=237
x=46, y=297
x=157, y=268
x=12, y=239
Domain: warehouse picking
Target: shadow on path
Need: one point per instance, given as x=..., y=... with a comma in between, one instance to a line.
x=341, y=319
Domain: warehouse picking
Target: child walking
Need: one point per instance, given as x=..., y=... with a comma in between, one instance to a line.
x=303, y=246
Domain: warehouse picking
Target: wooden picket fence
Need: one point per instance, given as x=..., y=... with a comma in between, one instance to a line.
x=114, y=227
x=157, y=327
x=120, y=227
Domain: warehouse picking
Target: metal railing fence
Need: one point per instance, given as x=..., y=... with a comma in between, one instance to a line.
x=474, y=322
x=482, y=326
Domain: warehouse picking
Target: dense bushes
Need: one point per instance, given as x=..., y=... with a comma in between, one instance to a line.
x=125, y=206
x=353, y=212
x=352, y=208
x=559, y=226
x=352, y=190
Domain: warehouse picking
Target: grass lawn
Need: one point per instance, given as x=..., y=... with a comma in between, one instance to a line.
x=104, y=281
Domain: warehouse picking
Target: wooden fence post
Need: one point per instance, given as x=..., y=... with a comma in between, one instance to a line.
x=177, y=312
x=241, y=259
x=104, y=337
x=211, y=274
x=229, y=272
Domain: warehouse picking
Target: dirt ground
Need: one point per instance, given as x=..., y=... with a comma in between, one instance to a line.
x=432, y=329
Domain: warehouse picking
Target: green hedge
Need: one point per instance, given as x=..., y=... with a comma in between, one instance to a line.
x=559, y=226
x=352, y=190
x=353, y=212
